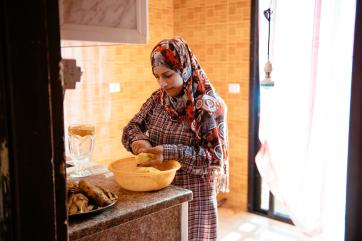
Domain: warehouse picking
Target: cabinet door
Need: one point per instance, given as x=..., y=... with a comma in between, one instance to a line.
x=110, y=21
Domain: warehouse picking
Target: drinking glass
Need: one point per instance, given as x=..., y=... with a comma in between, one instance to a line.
x=80, y=144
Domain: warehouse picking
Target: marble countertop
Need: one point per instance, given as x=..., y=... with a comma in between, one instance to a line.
x=130, y=206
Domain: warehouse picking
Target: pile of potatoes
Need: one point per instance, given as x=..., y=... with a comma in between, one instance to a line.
x=84, y=197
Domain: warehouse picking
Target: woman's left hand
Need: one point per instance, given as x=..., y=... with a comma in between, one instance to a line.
x=157, y=151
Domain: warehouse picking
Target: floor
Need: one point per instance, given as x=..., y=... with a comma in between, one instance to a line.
x=250, y=227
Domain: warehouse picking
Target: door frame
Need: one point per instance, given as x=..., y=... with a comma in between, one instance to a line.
x=353, y=230
x=32, y=190
x=254, y=178
x=354, y=166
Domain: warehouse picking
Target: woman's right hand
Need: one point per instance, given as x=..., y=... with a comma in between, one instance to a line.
x=137, y=146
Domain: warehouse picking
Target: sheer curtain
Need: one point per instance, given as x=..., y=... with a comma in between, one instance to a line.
x=304, y=117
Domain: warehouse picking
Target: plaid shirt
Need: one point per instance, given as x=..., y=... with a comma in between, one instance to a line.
x=154, y=124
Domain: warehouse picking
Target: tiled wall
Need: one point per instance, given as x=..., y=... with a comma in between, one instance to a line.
x=217, y=32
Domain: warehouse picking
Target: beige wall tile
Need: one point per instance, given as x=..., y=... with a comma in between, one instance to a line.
x=188, y=3
x=239, y=32
x=190, y=16
x=216, y=14
x=216, y=34
x=239, y=11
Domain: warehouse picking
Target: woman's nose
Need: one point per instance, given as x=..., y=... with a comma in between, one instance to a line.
x=163, y=84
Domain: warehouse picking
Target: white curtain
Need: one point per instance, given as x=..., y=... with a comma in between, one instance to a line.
x=304, y=118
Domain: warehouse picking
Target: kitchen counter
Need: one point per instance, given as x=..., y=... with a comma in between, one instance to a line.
x=156, y=215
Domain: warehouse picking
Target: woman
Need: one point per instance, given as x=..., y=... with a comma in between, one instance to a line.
x=185, y=120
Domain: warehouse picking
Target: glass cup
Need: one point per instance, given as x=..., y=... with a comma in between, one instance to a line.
x=80, y=144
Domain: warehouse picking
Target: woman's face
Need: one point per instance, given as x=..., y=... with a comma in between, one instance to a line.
x=169, y=80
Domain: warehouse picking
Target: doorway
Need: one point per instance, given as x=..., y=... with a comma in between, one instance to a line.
x=260, y=199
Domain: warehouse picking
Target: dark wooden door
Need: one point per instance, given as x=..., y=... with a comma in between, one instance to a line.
x=354, y=172
x=32, y=177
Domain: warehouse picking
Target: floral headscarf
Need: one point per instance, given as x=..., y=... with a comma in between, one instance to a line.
x=201, y=107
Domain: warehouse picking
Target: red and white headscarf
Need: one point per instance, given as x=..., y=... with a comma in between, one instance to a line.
x=201, y=107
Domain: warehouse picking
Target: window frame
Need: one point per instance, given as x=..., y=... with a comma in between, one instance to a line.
x=254, y=178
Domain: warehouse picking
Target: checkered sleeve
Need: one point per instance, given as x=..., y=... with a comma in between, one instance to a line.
x=137, y=126
x=194, y=160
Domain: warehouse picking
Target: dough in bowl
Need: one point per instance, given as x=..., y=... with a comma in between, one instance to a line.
x=147, y=170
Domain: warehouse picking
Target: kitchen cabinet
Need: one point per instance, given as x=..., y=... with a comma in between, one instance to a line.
x=96, y=22
x=157, y=215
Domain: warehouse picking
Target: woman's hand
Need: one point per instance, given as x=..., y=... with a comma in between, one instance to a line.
x=157, y=151
x=137, y=146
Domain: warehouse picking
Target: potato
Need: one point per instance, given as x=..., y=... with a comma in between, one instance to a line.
x=142, y=157
x=77, y=203
x=95, y=193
